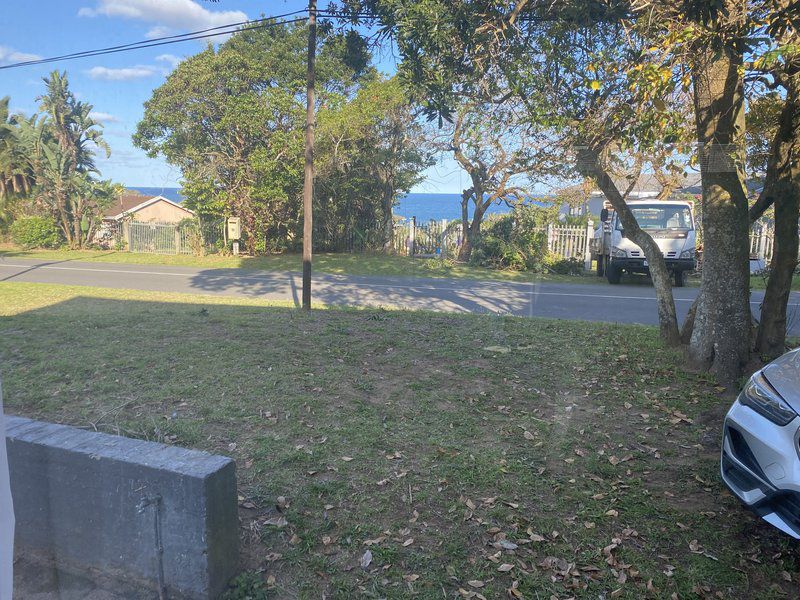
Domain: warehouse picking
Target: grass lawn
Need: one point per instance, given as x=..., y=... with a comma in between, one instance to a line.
x=472, y=456
x=341, y=264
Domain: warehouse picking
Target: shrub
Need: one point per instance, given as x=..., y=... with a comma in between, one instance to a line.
x=35, y=232
x=563, y=266
x=515, y=241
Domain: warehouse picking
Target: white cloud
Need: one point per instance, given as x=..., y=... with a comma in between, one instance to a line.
x=157, y=32
x=170, y=59
x=177, y=14
x=9, y=55
x=103, y=117
x=123, y=74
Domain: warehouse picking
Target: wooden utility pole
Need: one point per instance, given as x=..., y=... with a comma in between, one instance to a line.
x=308, y=182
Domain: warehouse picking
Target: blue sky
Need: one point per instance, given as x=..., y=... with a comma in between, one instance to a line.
x=118, y=84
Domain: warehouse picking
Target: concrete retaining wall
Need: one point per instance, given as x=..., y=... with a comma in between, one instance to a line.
x=107, y=504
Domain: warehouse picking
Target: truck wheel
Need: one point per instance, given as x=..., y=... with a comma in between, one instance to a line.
x=614, y=274
x=680, y=278
x=600, y=266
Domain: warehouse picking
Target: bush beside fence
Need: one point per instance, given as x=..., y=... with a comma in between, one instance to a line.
x=436, y=238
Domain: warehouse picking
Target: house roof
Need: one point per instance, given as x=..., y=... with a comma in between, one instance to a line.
x=127, y=204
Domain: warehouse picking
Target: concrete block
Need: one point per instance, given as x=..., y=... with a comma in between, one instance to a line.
x=127, y=509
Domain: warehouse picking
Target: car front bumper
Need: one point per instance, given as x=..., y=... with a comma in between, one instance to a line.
x=637, y=264
x=761, y=466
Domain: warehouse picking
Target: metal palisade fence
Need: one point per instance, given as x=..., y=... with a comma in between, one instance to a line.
x=188, y=237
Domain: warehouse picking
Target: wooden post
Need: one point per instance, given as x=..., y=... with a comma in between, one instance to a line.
x=308, y=181
x=587, y=251
x=412, y=236
x=126, y=234
x=444, y=237
x=177, y=240
x=549, y=237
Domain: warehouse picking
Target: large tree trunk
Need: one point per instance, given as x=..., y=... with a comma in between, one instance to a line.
x=781, y=187
x=771, y=338
x=721, y=335
x=667, y=319
x=471, y=229
x=64, y=217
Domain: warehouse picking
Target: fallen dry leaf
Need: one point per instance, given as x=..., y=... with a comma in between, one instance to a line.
x=277, y=522
x=505, y=568
x=500, y=349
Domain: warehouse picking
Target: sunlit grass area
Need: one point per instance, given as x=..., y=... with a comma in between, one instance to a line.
x=463, y=452
x=342, y=264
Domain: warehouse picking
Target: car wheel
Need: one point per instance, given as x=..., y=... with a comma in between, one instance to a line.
x=614, y=274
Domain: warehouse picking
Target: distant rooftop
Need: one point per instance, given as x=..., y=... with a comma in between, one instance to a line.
x=125, y=203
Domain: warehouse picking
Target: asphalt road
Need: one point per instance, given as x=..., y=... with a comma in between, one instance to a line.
x=631, y=303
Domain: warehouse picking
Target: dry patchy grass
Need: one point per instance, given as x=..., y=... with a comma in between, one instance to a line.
x=467, y=454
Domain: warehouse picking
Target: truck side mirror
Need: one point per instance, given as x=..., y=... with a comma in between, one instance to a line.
x=604, y=215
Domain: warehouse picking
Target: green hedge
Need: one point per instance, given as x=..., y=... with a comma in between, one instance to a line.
x=35, y=232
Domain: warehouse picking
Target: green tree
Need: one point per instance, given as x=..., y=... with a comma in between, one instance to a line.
x=370, y=150
x=698, y=47
x=496, y=147
x=16, y=177
x=232, y=120
x=62, y=144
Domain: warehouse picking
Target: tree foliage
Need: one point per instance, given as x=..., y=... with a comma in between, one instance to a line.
x=232, y=119
x=47, y=162
x=623, y=72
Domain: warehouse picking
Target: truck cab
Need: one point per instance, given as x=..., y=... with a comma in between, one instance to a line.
x=669, y=222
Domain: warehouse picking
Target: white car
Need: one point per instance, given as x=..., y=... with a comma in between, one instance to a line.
x=761, y=444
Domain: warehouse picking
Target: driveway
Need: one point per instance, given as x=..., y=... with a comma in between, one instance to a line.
x=626, y=303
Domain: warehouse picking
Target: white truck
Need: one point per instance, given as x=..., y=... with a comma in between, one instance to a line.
x=669, y=222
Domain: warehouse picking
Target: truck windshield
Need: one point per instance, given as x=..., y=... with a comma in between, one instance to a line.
x=672, y=217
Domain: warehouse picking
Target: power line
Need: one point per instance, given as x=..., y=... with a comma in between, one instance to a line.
x=166, y=40
x=227, y=29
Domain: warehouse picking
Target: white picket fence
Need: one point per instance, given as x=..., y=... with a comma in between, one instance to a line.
x=443, y=238
x=762, y=237
x=571, y=242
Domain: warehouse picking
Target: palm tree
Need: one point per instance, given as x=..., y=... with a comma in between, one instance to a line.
x=66, y=158
x=16, y=177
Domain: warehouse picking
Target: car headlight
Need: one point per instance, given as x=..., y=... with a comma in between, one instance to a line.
x=618, y=252
x=759, y=395
x=688, y=253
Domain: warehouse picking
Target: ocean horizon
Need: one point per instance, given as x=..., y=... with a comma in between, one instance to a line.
x=424, y=206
